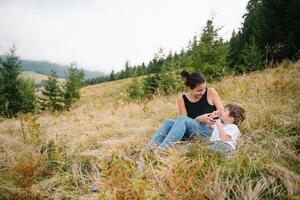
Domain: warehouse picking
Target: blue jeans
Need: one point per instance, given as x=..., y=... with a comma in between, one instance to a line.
x=175, y=130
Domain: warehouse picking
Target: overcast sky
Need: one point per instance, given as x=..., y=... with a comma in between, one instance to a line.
x=102, y=35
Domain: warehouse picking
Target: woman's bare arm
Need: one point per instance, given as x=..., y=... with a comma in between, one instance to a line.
x=213, y=94
x=216, y=100
x=181, y=107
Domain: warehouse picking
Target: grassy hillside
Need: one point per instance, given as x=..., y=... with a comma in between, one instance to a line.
x=36, y=77
x=62, y=155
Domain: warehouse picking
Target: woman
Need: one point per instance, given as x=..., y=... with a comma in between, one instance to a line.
x=197, y=108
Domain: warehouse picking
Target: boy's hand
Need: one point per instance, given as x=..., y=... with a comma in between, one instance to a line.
x=219, y=123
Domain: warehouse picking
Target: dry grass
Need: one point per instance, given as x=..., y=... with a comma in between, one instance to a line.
x=62, y=155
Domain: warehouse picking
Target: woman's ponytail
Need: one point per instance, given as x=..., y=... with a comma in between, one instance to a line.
x=193, y=79
x=185, y=74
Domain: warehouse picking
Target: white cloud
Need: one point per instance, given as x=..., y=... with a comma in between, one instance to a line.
x=101, y=35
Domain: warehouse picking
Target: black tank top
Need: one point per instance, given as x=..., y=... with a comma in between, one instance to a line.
x=194, y=109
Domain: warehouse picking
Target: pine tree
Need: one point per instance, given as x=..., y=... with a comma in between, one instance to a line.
x=233, y=56
x=2, y=95
x=252, y=56
x=16, y=94
x=10, y=96
x=112, y=75
x=127, y=69
x=210, y=50
x=122, y=74
x=75, y=80
x=27, y=91
x=52, y=95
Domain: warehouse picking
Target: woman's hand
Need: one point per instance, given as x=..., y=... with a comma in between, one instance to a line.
x=204, y=119
x=215, y=114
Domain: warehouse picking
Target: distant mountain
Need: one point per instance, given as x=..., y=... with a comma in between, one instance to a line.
x=45, y=67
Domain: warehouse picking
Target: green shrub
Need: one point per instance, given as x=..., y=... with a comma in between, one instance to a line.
x=164, y=83
x=150, y=85
x=167, y=83
x=214, y=72
x=135, y=90
x=27, y=92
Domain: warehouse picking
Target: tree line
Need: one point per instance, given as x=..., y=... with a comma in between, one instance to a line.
x=19, y=95
x=269, y=33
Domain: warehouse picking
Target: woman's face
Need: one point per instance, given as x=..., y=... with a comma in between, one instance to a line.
x=199, y=90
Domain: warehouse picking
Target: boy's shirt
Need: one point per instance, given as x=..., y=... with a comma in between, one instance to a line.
x=230, y=129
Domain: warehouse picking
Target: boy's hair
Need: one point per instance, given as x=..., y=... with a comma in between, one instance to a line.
x=237, y=112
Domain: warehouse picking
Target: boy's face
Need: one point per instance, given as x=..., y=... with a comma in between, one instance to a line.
x=225, y=116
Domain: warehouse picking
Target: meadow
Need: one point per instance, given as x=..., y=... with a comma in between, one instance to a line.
x=55, y=155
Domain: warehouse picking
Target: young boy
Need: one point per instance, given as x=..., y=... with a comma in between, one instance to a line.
x=225, y=130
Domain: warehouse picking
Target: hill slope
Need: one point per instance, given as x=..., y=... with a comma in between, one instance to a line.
x=36, y=77
x=82, y=148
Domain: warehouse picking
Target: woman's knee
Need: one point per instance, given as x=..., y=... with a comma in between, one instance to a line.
x=168, y=123
x=182, y=117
